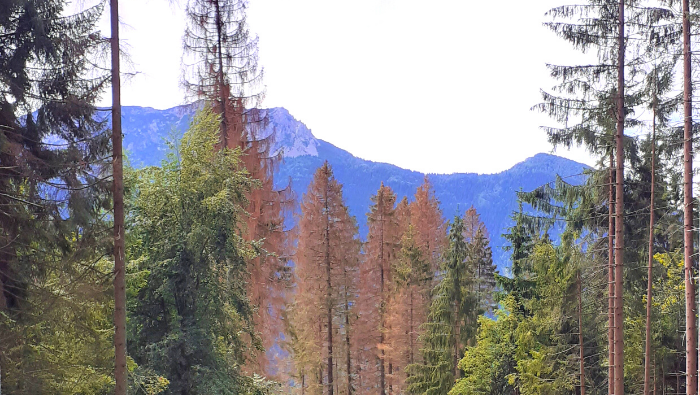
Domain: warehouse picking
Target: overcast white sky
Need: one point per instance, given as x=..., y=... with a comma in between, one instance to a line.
x=435, y=86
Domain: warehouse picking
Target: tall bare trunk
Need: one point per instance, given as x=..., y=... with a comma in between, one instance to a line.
x=647, y=350
x=410, y=330
x=611, y=278
x=120, y=372
x=691, y=360
x=582, y=371
x=620, y=209
x=347, y=340
x=329, y=295
x=382, y=374
x=223, y=94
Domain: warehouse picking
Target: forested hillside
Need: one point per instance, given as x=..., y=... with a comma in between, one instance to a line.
x=238, y=254
x=146, y=132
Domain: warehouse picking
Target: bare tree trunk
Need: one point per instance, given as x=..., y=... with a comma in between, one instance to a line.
x=329, y=296
x=382, y=374
x=347, y=342
x=647, y=350
x=582, y=372
x=391, y=372
x=620, y=209
x=611, y=279
x=690, y=328
x=120, y=371
x=223, y=94
x=410, y=330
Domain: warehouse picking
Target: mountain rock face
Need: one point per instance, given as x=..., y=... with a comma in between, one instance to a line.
x=493, y=195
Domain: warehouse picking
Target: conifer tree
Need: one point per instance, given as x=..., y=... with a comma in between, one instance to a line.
x=326, y=261
x=408, y=306
x=428, y=223
x=451, y=322
x=52, y=167
x=480, y=260
x=120, y=370
x=225, y=74
x=382, y=245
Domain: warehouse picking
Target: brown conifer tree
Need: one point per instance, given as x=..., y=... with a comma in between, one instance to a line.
x=226, y=76
x=326, y=269
x=381, y=248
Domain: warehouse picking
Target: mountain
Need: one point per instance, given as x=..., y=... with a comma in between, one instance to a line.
x=493, y=195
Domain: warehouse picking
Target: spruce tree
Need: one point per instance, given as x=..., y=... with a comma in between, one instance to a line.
x=53, y=173
x=225, y=74
x=451, y=321
x=326, y=265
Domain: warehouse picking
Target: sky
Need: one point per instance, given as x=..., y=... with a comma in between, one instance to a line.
x=434, y=86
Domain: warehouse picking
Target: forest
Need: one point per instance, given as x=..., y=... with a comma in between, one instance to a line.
x=200, y=276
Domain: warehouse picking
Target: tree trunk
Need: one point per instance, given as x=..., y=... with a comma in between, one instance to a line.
x=647, y=349
x=410, y=330
x=582, y=372
x=347, y=342
x=329, y=295
x=120, y=371
x=382, y=374
x=620, y=209
x=691, y=358
x=611, y=278
x=223, y=94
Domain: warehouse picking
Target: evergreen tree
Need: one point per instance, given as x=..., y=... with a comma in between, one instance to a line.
x=408, y=306
x=451, y=321
x=53, y=191
x=192, y=319
x=480, y=260
x=225, y=74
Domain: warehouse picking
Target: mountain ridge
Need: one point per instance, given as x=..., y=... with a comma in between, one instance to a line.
x=493, y=195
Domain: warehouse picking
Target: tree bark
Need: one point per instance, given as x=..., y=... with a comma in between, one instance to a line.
x=120, y=371
x=382, y=372
x=691, y=360
x=647, y=350
x=223, y=94
x=611, y=278
x=329, y=294
x=582, y=372
x=620, y=208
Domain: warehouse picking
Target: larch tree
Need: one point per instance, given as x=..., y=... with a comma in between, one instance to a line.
x=326, y=264
x=225, y=74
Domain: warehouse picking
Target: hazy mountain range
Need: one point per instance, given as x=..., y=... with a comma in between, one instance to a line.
x=146, y=131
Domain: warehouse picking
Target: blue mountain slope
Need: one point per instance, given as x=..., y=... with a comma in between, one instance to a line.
x=493, y=195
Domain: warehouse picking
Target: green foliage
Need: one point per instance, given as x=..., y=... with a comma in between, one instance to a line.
x=489, y=364
x=192, y=320
x=450, y=323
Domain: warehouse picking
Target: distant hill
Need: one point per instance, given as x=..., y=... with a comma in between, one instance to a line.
x=493, y=195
